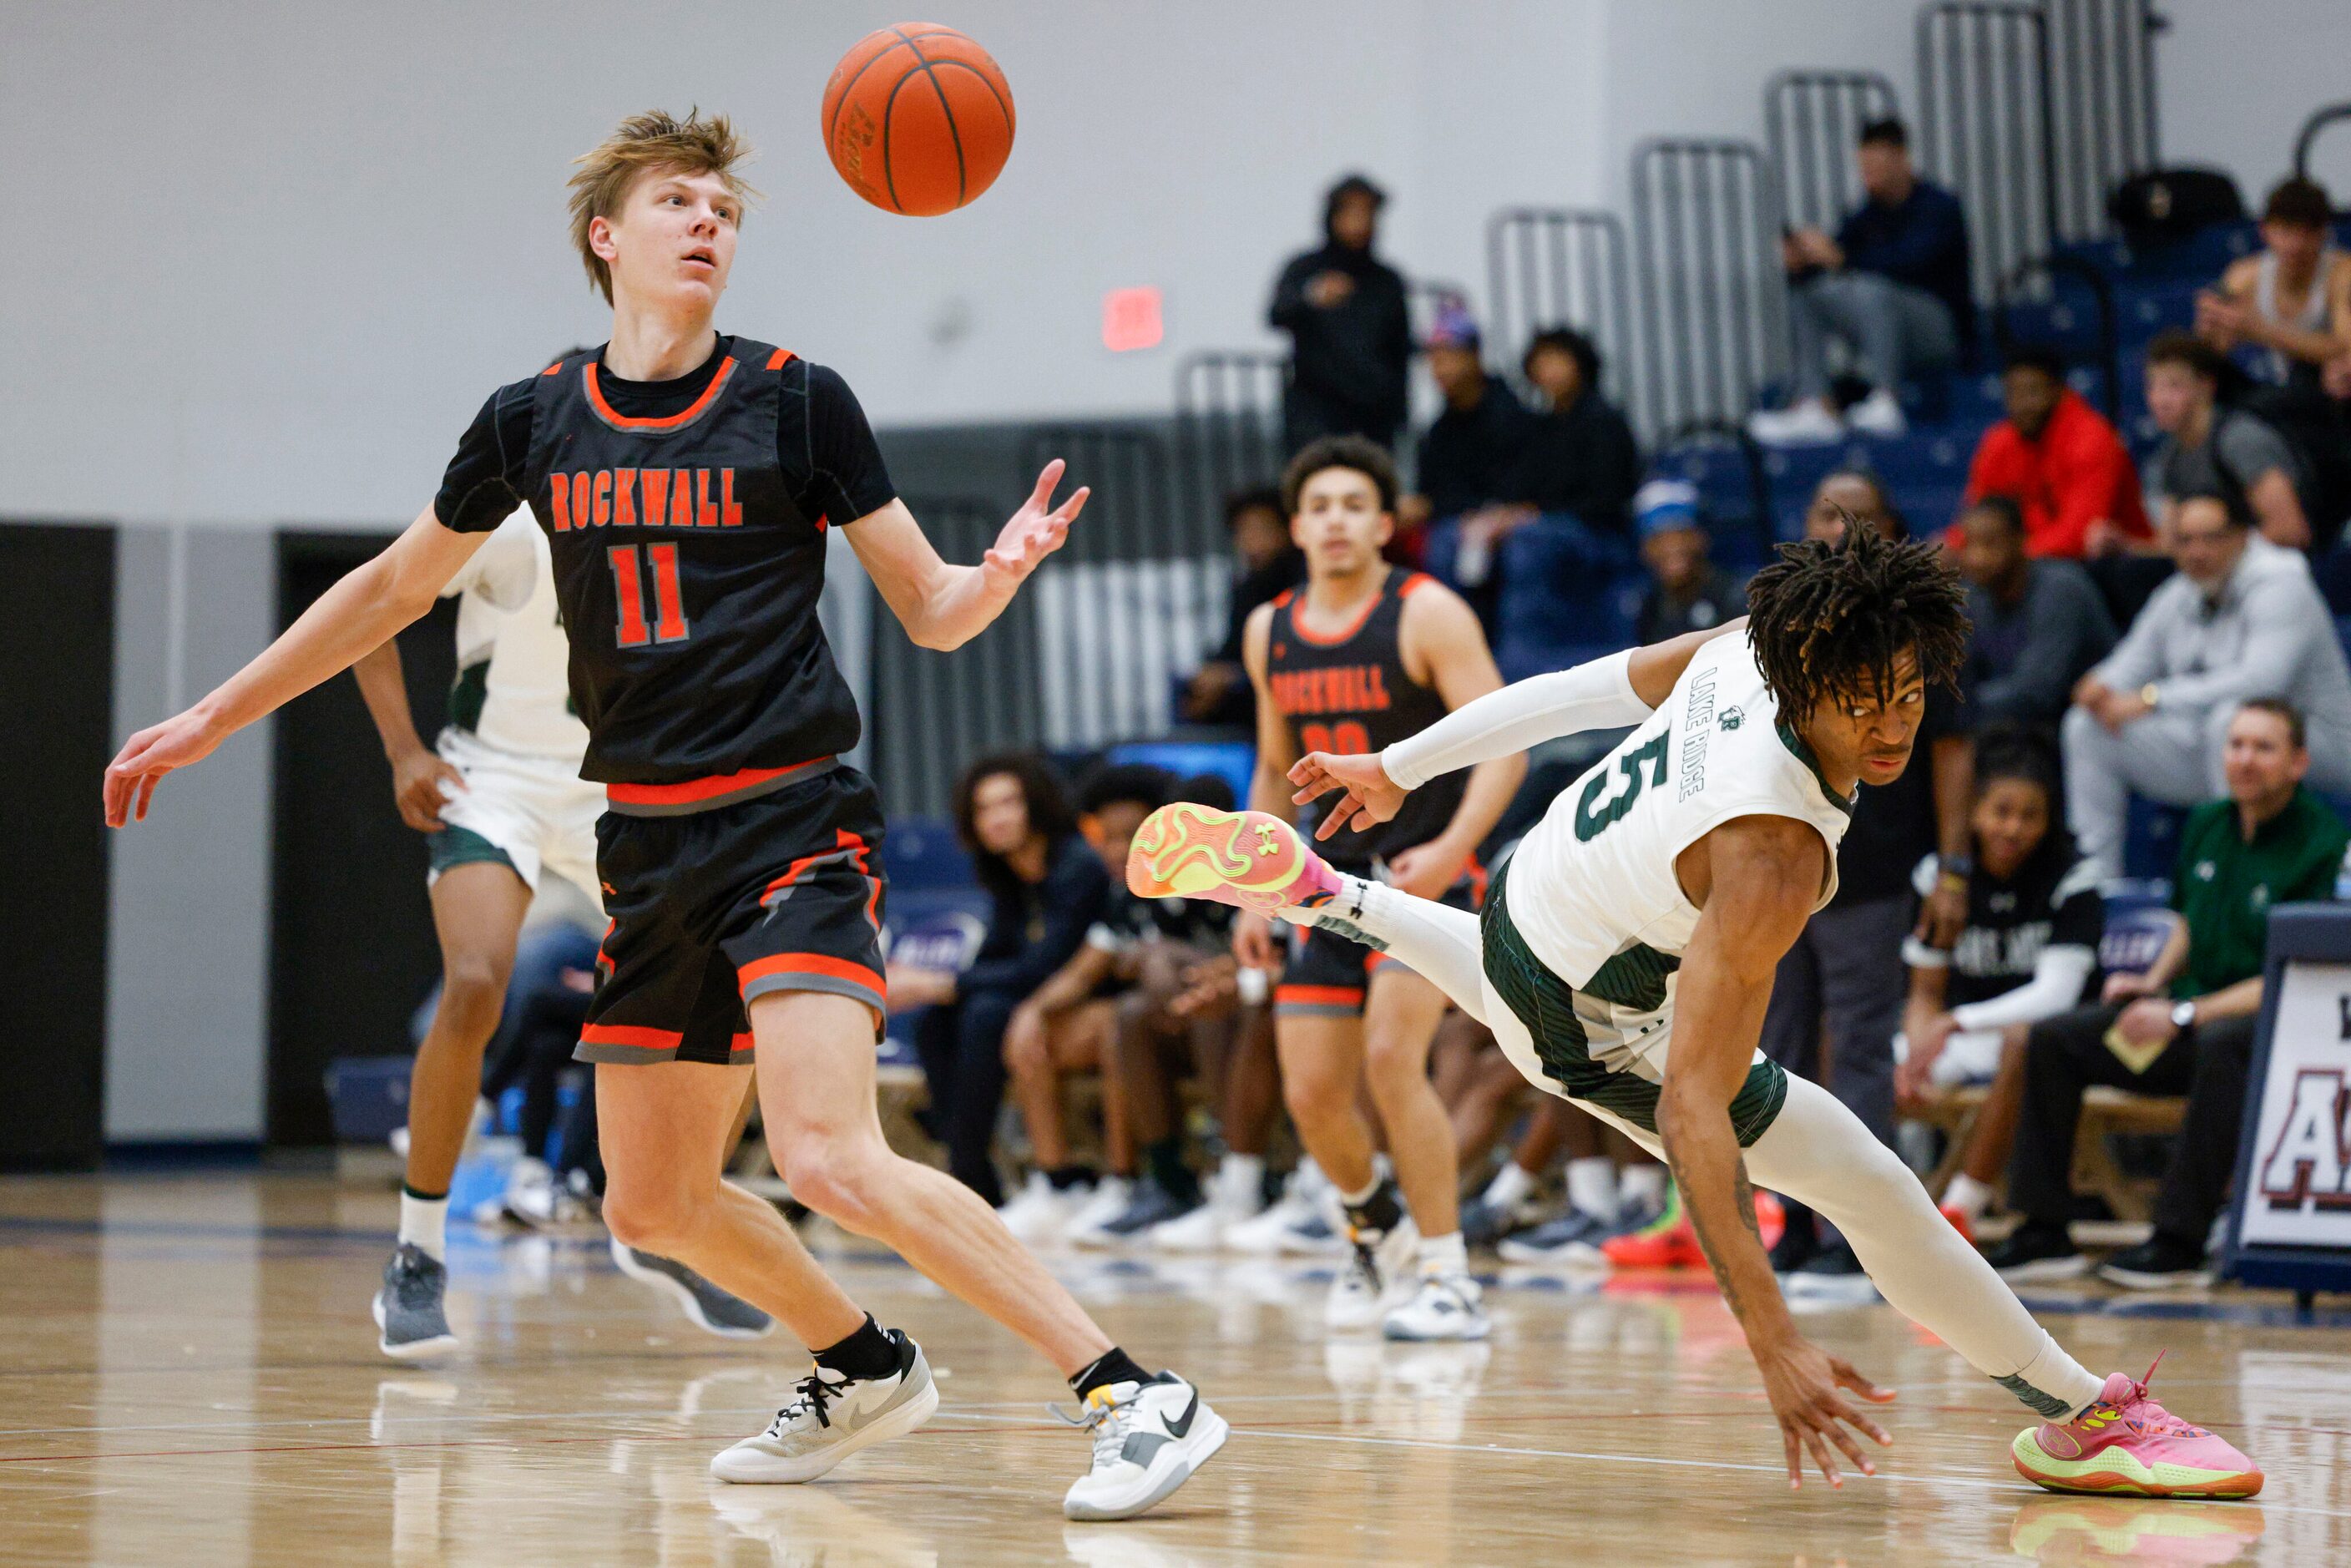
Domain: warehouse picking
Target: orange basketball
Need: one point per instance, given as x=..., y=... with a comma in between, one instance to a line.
x=919, y=120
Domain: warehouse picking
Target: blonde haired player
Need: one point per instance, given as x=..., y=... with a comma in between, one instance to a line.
x=687, y=481
x=1625, y=958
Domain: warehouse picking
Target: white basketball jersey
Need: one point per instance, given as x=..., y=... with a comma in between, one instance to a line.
x=514, y=688
x=1595, y=876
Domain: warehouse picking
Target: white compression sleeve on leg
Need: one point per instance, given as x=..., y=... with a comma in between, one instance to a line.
x=1597, y=695
x=1819, y=1154
x=1439, y=944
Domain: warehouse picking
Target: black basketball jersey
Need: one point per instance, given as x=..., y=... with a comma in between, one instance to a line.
x=2052, y=901
x=688, y=579
x=1349, y=694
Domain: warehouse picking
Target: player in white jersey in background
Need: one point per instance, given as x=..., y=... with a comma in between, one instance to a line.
x=1625, y=958
x=501, y=798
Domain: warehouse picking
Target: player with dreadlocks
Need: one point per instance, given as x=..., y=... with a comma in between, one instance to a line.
x=1624, y=956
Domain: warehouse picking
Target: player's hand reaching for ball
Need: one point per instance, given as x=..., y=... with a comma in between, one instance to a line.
x=1803, y=1381
x=421, y=782
x=1371, y=797
x=1036, y=530
x=146, y=757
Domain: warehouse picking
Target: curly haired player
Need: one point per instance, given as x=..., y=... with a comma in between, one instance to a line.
x=1625, y=953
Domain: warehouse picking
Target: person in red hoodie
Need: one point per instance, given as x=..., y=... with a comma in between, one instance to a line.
x=2061, y=461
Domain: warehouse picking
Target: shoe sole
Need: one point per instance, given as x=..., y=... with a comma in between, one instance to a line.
x=415, y=1350
x=896, y=1423
x=683, y=1298
x=1189, y=1454
x=2100, y=1475
x=1249, y=859
x=1480, y=1327
x=2044, y=1270
x=2131, y=1279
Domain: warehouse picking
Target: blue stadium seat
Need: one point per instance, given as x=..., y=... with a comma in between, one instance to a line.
x=2151, y=838
x=1231, y=761
x=921, y=853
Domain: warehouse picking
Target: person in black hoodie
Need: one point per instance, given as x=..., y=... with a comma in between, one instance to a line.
x=1048, y=887
x=1350, y=333
x=1581, y=458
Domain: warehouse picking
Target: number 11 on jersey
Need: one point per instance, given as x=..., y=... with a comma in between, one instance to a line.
x=628, y=587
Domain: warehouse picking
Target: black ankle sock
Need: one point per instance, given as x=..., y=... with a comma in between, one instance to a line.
x=408, y=1191
x=1382, y=1211
x=867, y=1352
x=1164, y=1161
x=1115, y=1366
x=1064, y=1177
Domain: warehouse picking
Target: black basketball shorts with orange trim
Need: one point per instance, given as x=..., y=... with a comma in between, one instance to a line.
x=1329, y=976
x=713, y=909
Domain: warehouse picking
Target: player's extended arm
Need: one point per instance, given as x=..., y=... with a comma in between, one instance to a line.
x=1755, y=879
x=1620, y=689
x=417, y=773
x=369, y=604
x=1445, y=630
x=943, y=606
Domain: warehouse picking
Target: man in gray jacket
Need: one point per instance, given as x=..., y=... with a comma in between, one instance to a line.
x=2243, y=619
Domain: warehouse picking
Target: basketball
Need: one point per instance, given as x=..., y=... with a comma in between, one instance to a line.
x=919, y=120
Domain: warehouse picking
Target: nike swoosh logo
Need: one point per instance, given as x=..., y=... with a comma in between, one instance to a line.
x=1181, y=1426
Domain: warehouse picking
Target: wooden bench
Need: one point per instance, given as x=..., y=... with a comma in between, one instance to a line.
x=2106, y=1113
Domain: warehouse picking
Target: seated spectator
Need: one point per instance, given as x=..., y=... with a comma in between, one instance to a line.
x=1473, y=459
x=1265, y=562
x=1048, y=888
x=1686, y=592
x=2186, y=1026
x=1581, y=459
x=2039, y=624
x=2290, y=307
x=2242, y=620
x=2026, y=952
x=1350, y=331
x=2059, y=461
x=2210, y=449
x=1892, y=287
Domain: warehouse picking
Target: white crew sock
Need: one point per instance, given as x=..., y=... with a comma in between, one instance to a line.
x=424, y=1223
x=1968, y=1195
x=1510, y=1183
x=1446, y=1255
x=1241, y=1178
x=1439, y=944
x=1379, y=1175
x=1591, y=1185
x=1643, y=1183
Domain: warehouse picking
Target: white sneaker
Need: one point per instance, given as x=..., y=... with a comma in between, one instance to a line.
x=1879, y=413
x=1369, y=1282
x=1110, y=1197
x=1230, y=1203
x=1445, y=1306
x=1807, y=424
x=1040, y=1211
x=831, y=1417
x=1148, y=1439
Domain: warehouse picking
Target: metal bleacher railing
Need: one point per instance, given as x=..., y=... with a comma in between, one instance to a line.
x=2311, y=129
x=1227, y=424
x=1547, y=266
x=1812, y=120
x=1706, y=220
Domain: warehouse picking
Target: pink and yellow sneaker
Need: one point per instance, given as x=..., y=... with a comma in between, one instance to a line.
x=1249, y=859
x=2125, y=1442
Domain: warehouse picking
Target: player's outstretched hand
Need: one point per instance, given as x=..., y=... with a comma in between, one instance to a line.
x=1036, y=530
x=1803, y=1381
x=146, y=757
x=1371, y=795
x=421, y=782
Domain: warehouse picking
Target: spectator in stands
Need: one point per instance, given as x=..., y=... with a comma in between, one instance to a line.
x=1473, y=459
x=2242, y=620
x=2210, y=449
x=1048, y=888
x=2186, y=1026
x=1892, y=287
x=2059, y=461
x=1265, y=562
x=2039, y=624
x=1350, y=332
x=1581, y=459
x=1836, y=1001
x=1686, y=592
x=2027, y=950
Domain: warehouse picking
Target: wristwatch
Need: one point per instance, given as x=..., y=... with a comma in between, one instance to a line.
x=2183, y=1015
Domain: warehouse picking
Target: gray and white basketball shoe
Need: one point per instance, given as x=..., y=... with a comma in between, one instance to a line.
x=712, y=1310
x=408, y=1309
x=831, y=1417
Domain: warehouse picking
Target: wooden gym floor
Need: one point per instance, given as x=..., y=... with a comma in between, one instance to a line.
x=188, y=1375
